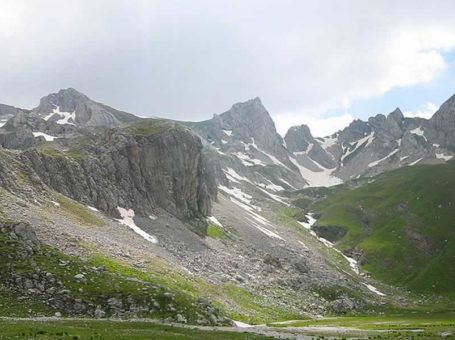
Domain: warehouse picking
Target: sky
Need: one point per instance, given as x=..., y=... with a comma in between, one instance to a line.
x=320, y=63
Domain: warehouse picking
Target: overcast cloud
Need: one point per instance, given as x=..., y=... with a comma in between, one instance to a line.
x=307, y=60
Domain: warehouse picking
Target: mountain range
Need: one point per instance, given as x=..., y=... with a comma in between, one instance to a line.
x=216, y=220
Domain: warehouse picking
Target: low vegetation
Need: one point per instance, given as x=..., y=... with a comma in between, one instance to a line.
x=401, y=224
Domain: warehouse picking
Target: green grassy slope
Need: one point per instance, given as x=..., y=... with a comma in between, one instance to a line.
x=403, y=222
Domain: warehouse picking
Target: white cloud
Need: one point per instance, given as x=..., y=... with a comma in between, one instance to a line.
x=11, y=17
x=424, y=111
x=171, y=56
x=319, y=126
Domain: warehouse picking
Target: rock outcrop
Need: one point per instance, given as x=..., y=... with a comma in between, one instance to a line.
x=124, y=169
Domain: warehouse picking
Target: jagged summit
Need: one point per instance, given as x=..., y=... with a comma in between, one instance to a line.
x=69, y=106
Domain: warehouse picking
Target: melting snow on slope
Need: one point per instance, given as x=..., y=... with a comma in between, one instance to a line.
x=327, y=142
x=373, y=289
x=228, y=132
x=65, y=116
x=442, y=156
x=239, y=195
x=127, y=219
x=419, y=132
x=215, y=221
x=248, y=161
x=92, y=208
x=372, y=164
x=3, y=122
x=244, y=201
x=47, y=137
x=287, y=183
x=415, y=162
x=321, y=178
x=233, y=176
x=352, y=263
x=367, y=140
x=240, y=324
x=311, y=221
x=271, y=157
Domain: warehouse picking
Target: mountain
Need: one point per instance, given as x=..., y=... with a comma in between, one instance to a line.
x=380, y=144
x=72, y=107
x=205, y=222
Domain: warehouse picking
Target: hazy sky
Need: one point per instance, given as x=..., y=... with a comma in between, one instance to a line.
x=317, y=62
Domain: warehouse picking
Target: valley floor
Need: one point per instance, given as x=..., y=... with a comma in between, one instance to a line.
x=410, y=326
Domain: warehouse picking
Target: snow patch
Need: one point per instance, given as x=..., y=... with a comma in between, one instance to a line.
x=367, y=140
x=373, y=289
x=419, y=132
x=442, y=156
x=287, y=183
x=128, y=220
x=415, y=162
x=224, y=141
x=233, y=176
x=248, y=161
x=372, y=164
x=92, y=208
x=47, y=137
x=240, y=324
x=307, y=225
x=228, y=132
x=65, y=116
x=215, y=221
x=153, y=217
x=55, y=203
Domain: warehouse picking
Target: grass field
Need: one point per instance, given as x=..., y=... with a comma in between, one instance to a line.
x=97, y=329
x=408, y=326
x=403, y=222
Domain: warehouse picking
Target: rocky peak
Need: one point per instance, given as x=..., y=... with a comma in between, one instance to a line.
x=396, y=115
x=443, y=121
x=298, y=138
x=249, y=119
x=69, y=106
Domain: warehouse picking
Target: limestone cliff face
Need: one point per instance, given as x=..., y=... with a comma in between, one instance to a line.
x=141, y=172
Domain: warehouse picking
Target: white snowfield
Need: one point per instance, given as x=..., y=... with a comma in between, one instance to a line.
x=3, y=122
x=65, y=116
x=323, y=178
x=127, y=219
x=47, y=137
